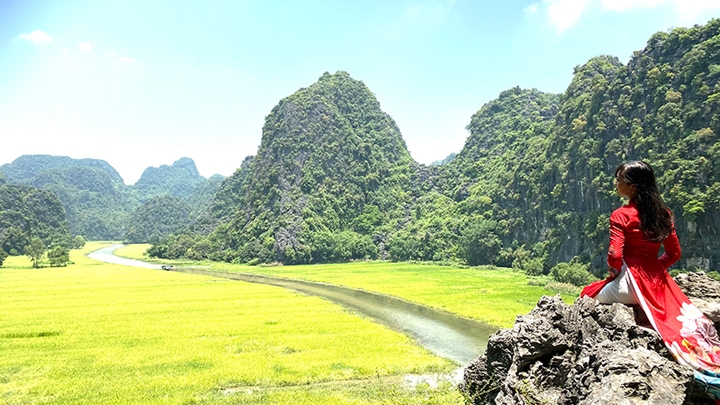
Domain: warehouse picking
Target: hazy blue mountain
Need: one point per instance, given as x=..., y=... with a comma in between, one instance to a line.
x=449, y=158
x=27, y=166
x=180, y=179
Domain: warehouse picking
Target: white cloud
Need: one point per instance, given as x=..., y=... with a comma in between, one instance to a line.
x=37, y=37
x=563, y=14
x=695, y=6
x=85, y=46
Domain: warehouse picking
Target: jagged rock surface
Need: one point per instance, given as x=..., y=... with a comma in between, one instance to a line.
x=585, y=353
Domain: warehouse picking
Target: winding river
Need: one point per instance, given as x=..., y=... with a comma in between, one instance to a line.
x=444, y=334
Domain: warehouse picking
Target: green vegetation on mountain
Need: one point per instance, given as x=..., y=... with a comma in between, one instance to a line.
x=179, y=180
x=447, y=160
x=157, y=218
x=96, y=201
x=474, y=208
x=663, y=108
x=332, y=170
x=98, y=204
x=533, y=186
x=200, y=201
x=28, y=166
x=28, y=214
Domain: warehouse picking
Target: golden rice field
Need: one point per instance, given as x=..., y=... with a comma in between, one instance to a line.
x=96, y=333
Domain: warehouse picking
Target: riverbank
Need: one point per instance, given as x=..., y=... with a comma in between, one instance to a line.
x=488, y=294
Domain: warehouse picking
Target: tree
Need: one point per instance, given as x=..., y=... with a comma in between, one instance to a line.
x=3, y=256
x=574, y=273
x=479, y=244
x=59, y=256
x=78, y=242
x=35, y=251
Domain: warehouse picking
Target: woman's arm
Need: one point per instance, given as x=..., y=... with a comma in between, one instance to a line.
x=672, y=250
x=617, y=241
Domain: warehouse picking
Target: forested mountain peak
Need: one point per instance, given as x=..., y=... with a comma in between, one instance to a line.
x=328, y=154
x=28, y=166
x=189, y=166
x=90, y=190
x=179, y=180
x=335, y=101
x=594, y=72
x=506, y=121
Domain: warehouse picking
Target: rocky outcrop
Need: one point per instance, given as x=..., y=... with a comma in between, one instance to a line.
x=585, y=353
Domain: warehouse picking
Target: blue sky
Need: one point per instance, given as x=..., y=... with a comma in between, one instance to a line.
x=143, y=83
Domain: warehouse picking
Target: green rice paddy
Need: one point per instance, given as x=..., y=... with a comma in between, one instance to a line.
x=96, y=333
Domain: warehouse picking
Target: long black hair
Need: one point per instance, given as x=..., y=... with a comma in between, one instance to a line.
x=656, y=219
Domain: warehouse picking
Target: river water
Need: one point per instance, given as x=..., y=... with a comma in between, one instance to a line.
x=458, y=339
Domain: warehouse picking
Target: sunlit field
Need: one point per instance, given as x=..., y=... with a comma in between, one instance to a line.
x=492, y=295
x=96, y=333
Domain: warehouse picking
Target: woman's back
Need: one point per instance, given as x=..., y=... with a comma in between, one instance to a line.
x=634, y=247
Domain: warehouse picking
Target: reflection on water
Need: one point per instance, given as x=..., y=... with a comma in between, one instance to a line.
x=446, y=335
x=106, y=255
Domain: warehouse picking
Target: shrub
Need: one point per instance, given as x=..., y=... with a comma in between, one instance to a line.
x=563, y=288
x=58, y=256
x=573, y=273
x=78, y=242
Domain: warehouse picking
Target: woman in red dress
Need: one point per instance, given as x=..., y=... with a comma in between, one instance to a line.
x=639, y=276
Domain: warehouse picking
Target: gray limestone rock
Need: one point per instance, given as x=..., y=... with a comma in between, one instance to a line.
x=585, y=353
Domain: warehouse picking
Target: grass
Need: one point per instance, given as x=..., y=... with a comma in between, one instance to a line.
x=96, y=333
x=489, y=294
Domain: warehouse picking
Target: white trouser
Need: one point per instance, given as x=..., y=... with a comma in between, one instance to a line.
x=618, y=290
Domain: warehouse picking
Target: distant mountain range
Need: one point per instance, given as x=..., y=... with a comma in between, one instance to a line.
x=98, y=204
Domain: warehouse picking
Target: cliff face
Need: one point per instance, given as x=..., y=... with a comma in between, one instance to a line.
x=585, y=353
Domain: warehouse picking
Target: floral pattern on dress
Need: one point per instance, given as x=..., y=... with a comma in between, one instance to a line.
x=696, y=325
x=699, y=338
